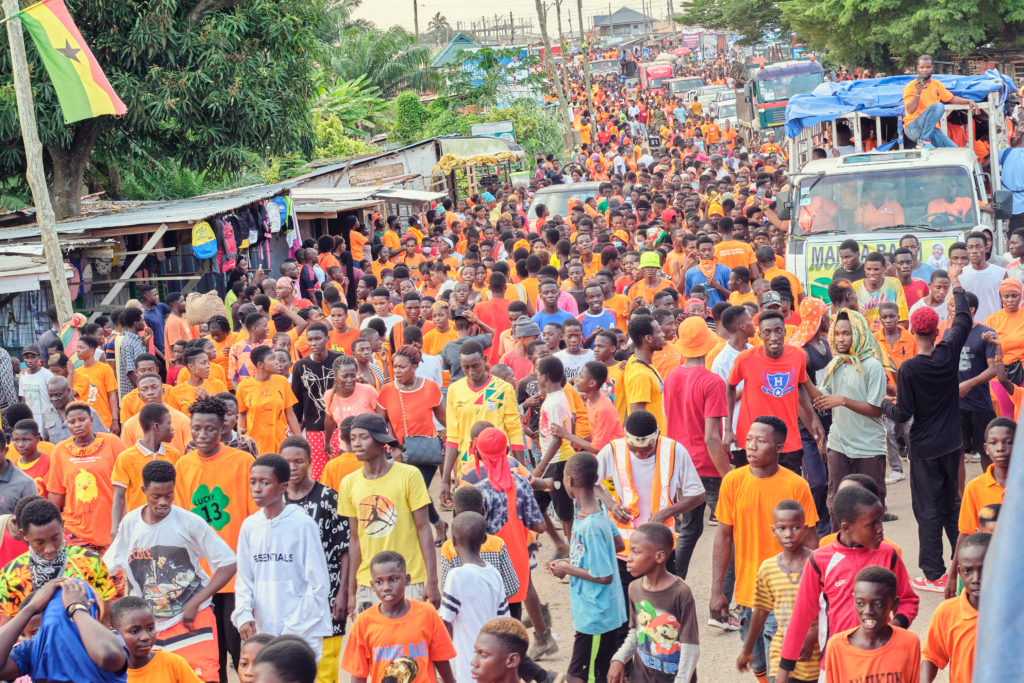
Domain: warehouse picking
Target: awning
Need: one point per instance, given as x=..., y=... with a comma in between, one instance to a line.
x=480, y=150
x=24, y=273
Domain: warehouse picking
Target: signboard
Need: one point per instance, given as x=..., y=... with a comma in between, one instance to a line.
x=381, y=172
x=822, y=257
x=691, y=40
x=709, y=42
x=498, y=129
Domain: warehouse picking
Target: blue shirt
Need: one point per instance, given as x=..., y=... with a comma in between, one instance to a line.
x=542, y=318
x=155, y=321
x=924, y=272
x=596, y=608
x=695, y=277
x=592, y=322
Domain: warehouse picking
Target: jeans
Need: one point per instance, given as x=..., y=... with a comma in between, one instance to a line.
x=893, y=432
x=428, y=472
x=693, y=528
x=840, y=465
x=229, y=642
x=923, y=127
x=759, y=661
x=817, y=479
x=936, y=503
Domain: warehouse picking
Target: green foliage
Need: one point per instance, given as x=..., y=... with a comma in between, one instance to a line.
x=755, y=20
x=339, y=13
x=392, y=60
x=355, y=104
x=439, y=28
x=168, y=180
x=288, y=166
x=492, y=76
x=206, y=82
x=14, y=194
x=410, y=118
x=333, y=143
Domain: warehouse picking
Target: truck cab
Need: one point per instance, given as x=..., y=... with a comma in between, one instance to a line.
x=876, y=198
x=653, y=76
x=762, y=102
x=684, y=88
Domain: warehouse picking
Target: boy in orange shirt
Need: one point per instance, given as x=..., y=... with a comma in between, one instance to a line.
x=102, y=393
x=133, y=618
x=265, y=403
x=197, y=361
x=875, y=650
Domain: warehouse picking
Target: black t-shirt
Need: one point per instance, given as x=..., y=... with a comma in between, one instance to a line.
x=842, y=274
x=310, y=380
x=974, y=361
x=816, y=364
x=529, y=388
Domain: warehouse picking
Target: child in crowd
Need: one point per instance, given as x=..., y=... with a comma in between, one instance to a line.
x=663, y=636
x=776, y=589
x=285, y=659
x=499, y=649
x=864, y=481
x=397, y=639
x=177, y=363
x=473, y=592
x=280, y=545
x=598, y=607
x=953, y=631
x=250, y=650
x=133, y=618
x=605, y=424
x=492, y=551
x=875, y=650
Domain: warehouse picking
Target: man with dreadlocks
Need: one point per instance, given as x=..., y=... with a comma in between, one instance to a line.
x=853, y=388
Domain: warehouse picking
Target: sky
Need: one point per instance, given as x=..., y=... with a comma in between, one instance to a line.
x=386, y=13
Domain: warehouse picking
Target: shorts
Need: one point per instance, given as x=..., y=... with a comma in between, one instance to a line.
x=592, y=655
x=198, y=647
x=564, y=508
x=972, y=429
x=366, y=598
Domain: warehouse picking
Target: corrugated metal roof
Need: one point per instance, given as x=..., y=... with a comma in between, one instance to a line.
x=329, y=206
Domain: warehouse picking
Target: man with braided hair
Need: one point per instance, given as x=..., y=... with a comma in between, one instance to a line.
x=654, y=481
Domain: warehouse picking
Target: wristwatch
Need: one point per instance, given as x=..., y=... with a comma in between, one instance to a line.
x=75, y=607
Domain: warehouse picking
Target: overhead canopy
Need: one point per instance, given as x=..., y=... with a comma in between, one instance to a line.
x=23, y=273
x=480, y=150
x=882, y=97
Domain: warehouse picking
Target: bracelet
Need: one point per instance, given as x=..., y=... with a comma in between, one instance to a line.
x=75, y=607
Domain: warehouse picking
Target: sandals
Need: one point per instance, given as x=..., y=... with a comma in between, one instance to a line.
x=444, y=535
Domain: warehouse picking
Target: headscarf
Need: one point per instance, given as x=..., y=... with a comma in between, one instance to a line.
x=863, y=345
x=811, y=311
x=491, y=446
x=1010, y=283
x=69, y=332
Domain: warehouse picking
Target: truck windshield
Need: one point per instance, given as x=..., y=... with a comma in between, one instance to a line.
x=656, y=82
x=727, y=110
x=686, y=85
x=779, y=89
x=940, y=196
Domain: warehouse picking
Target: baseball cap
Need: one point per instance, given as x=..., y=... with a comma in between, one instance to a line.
x=695, y=339
x=376, y=426
x=650, y=259
x=668, y=215
x=771, y=299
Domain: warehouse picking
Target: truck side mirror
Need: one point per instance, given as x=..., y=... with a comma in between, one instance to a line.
x=1002, y=204
x=783, y=205
x=748, y=93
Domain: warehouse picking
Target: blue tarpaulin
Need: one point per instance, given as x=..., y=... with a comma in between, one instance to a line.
x=882, y=97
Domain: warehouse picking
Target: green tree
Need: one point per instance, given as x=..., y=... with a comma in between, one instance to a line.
x=756, y=20
x=392, y=60
x=410, y=118
x=492, y=76
x=333, y=143
x=440, y=28
x=340, y=20
x=206, y=82
x=355, y=104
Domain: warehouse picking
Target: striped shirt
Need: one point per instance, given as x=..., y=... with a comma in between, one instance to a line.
x=493, y=552
x=775, y=591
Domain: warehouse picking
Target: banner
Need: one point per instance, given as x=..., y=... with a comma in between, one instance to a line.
x=691, y=40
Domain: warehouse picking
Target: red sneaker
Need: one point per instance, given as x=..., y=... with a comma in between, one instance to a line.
x=923, y=584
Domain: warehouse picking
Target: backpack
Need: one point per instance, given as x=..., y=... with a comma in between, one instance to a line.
x=204, y=241
x=278, y=210
x=227, y=248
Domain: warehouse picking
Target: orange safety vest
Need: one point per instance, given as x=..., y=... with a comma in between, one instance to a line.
x=661, y=495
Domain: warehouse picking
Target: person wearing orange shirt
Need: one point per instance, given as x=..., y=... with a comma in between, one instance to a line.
x=152, y=391
x=393, y=241
x=924, y=100
x=79, y=479
x=357, y=241
x=102, y=392
x=877, y=211
x=342, y=334
x=264, y=403
x=222, y=338
x=175, y=327
x=950, y=203
x=325, y=246
x=198, y=363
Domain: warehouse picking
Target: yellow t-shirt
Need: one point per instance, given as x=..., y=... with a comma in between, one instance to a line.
x=495, y=402
x=128, y=472
x=383, y=511
x=101, y=382
x=644, y=385
x=264, y=404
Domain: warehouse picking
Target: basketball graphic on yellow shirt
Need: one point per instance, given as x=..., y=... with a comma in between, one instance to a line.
x=377, y=515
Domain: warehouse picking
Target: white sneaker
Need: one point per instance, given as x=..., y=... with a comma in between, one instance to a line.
x=976, y=457
x=895, y=477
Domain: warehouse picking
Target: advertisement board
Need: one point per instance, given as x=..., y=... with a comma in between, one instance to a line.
x=498, y=129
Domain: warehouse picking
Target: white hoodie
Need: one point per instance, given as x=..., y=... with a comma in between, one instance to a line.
x=282, y=581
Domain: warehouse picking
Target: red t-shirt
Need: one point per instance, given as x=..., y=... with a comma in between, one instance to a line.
x=772, y=387
x=494, y=314
x=10, y=548
x=622, y=284
x=915, y=291
x=692, y=394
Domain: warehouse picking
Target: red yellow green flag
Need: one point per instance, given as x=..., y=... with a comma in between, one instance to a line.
x=82, y=89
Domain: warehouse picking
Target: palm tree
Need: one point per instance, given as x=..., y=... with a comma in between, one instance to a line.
x=439, y=27
x=392, y=60
x=340, y=15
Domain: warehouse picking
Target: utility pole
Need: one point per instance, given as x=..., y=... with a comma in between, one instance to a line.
x=45, y=218
x=512, y=28
x=415, y=19
x=585, y=48
x=563, y=105
x=672, y=18
x=561, y=44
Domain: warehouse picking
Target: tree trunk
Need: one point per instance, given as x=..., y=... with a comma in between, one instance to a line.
x=562, y=44
x=69, y=169
x=567, y=138
x=585, y=52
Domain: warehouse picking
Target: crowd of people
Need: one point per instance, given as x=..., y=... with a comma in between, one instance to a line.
x=253, y=492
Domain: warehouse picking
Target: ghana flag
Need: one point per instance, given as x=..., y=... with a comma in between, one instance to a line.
x=82, y=89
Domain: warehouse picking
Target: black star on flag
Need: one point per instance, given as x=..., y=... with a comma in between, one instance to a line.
x=68, y=51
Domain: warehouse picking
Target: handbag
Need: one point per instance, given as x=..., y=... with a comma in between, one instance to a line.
x=1015, y=373
x=419, y=450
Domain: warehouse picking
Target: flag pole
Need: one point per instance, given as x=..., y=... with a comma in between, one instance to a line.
x=34, y=159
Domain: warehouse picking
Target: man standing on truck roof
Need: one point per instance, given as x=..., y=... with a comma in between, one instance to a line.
x=924, y=99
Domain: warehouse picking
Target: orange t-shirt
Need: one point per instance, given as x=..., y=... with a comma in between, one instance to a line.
x=607, y=425
x=128, y=472
x=747, y=503
x=217, y=373
x=666, y=360
x=101, y=382
x=184, y=395
x=794, y=283
x=579, y=410
x=131, y=430
x=165, y=667
x=952, y=635
x=618, y=304
x=221, y=349
x=641, y=290
x=420, y=635
x=327, y=260
x=356, y=241
x=733, y=253
x=1009, y=327
x=131, y=404
x=342, y=341
x=175, y=329
x=979, y=492
x=338, y=468
x=904, y=348
x=933, y=92
x=82, y=476
x=417, y=419
x=264, y=404
x=217, y=489
x=897, y=660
